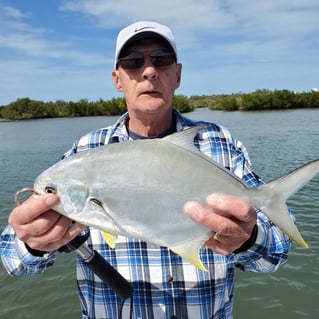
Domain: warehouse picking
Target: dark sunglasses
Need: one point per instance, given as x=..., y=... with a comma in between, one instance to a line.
x=136, y=60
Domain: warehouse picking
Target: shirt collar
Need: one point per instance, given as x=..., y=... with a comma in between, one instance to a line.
x=120, y=133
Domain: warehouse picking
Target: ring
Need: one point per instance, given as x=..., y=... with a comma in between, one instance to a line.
x=216, y=236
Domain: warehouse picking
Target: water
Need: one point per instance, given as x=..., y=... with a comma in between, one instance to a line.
x=277, y=142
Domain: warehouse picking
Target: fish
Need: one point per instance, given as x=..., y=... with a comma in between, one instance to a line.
x=138, y=189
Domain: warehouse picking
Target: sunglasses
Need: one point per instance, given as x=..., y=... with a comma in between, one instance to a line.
x=136, y=60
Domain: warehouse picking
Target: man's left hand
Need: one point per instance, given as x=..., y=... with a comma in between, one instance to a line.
x=230, y=219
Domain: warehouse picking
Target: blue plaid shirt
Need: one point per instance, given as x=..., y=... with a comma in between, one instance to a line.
x=165, y=286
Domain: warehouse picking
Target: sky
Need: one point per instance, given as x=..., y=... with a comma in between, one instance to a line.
x=63, y=49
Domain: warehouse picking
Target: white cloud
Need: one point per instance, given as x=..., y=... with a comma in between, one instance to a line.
x=17, y=33
x=223, y=44
x=13, y=12
x=206, y=16
x=259, y=28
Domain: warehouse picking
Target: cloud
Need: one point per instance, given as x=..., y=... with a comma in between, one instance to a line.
x=39, y=63
x=207, y=16
x=12, y=12
x=24, y=39
x=240, y=28
x=224, y=45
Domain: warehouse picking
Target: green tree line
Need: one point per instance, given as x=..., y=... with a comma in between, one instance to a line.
x=268, y=100
x=26, y=108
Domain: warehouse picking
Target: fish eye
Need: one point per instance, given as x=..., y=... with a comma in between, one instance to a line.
x=50, y=190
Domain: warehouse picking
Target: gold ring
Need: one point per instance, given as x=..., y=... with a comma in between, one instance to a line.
x=216, y=236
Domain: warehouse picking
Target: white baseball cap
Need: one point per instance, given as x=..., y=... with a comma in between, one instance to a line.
x=141, y=29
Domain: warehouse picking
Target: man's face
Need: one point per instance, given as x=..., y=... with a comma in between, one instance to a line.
x=149, y=88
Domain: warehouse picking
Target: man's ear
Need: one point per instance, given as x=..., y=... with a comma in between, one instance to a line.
x=178, y=74
x=116, y=80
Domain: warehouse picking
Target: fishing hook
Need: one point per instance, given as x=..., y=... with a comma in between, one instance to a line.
x=21, y=192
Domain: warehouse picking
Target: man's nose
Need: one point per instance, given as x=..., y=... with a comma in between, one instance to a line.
x=149, y=70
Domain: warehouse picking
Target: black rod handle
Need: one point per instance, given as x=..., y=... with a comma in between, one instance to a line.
x=100, y=266
x=109, y=275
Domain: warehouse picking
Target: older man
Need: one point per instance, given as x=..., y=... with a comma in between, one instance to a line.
x=147, y=71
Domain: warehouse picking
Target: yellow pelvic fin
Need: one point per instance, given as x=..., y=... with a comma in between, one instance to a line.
x=110, y=239
x=190, y=255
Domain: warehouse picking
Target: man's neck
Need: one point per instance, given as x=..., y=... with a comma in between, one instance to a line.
x=148, y=126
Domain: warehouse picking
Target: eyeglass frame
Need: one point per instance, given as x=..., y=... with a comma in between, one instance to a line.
x=137, y=55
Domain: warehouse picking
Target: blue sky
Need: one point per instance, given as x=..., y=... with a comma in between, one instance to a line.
x=63, y=49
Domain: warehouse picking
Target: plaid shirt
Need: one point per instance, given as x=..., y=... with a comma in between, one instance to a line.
x=165, y=286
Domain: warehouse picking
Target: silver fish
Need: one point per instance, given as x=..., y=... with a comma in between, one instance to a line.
x=138, y=189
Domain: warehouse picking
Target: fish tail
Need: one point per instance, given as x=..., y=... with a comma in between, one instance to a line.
x=278, y=191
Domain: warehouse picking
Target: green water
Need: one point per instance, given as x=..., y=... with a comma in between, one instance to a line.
x=277, y=142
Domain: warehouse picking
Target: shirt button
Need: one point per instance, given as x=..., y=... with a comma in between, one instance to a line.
x=170, y=279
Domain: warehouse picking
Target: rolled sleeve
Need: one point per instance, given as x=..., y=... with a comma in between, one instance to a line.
x=270, y=250
x=16, y=258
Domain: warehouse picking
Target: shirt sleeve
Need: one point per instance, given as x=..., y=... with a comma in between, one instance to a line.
x=270, y=250
x=16, y=258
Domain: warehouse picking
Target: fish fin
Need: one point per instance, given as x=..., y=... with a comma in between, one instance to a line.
x=190, y=254
x=109, y=238
x=278, y=191
x=186, y=137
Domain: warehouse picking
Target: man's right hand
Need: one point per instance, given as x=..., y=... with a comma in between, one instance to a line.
x=40, y=227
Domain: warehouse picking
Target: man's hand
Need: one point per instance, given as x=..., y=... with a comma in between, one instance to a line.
x=41, y=228
x=233, y=220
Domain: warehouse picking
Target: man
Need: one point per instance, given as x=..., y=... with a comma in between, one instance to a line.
x=147, y=71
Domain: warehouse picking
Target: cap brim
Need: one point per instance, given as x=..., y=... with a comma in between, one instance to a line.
x=142, y=36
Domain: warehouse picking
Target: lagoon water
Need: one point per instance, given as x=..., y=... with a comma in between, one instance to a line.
x=277, y=142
